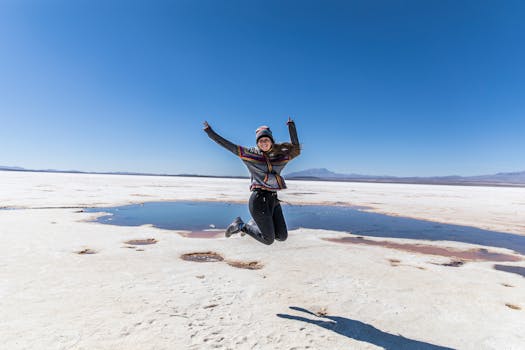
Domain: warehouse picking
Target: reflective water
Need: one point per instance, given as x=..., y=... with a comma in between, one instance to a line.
x=512, y=269
x=199, y=216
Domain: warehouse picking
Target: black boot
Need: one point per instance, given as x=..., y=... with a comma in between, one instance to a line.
x=235, y=227
x=247, y=226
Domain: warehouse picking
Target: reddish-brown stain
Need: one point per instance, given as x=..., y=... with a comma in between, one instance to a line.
x=471, y=254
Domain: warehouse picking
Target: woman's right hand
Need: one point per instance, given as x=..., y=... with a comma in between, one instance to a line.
x=206, y=125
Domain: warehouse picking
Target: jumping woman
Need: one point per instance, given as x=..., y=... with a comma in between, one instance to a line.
x=265, y=163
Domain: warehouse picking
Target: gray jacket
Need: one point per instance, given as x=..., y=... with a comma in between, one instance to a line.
x=265, y=168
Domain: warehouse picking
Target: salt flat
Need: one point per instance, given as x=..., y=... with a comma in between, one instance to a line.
x=309, y=294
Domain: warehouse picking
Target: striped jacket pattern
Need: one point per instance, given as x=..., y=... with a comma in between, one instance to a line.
x=265, y=168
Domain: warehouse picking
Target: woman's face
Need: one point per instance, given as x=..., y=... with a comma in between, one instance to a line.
x=264, y=144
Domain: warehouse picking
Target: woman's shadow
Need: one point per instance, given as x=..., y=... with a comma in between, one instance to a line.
x=364, y=332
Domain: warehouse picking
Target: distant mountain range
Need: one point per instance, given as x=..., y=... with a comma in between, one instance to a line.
x=323, y=174
x=499, y=179
x=15, y=168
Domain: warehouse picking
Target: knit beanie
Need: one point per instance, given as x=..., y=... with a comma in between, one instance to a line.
x=263, y=131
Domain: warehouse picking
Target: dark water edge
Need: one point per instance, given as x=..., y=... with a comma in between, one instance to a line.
x=199, y=216
x=511, y=269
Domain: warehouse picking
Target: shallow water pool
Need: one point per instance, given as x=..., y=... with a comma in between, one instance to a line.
x=200, y=216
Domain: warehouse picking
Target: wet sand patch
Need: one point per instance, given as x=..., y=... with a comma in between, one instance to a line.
x=142, y=241
x=480, y=254
x=86, y=251
x=397, y=263
x=453, y=263
x=512, y=269
x=512, y=306
x=394, y=262
x=248, y=265
x=216, y=257
x=202, y=257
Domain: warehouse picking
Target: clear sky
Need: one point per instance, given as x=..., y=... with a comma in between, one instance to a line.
x=375, y=87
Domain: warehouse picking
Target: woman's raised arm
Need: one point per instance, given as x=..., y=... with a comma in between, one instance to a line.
x=220, y=140
x=293, y=132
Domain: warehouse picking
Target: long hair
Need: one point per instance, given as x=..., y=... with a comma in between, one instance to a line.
x=285, y=149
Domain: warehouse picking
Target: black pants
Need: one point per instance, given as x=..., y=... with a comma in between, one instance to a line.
x=267, y=213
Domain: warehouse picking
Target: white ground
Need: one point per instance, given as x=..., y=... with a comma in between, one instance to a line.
x=121, y=298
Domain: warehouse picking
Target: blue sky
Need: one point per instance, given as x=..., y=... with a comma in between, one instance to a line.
x=375, y=87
